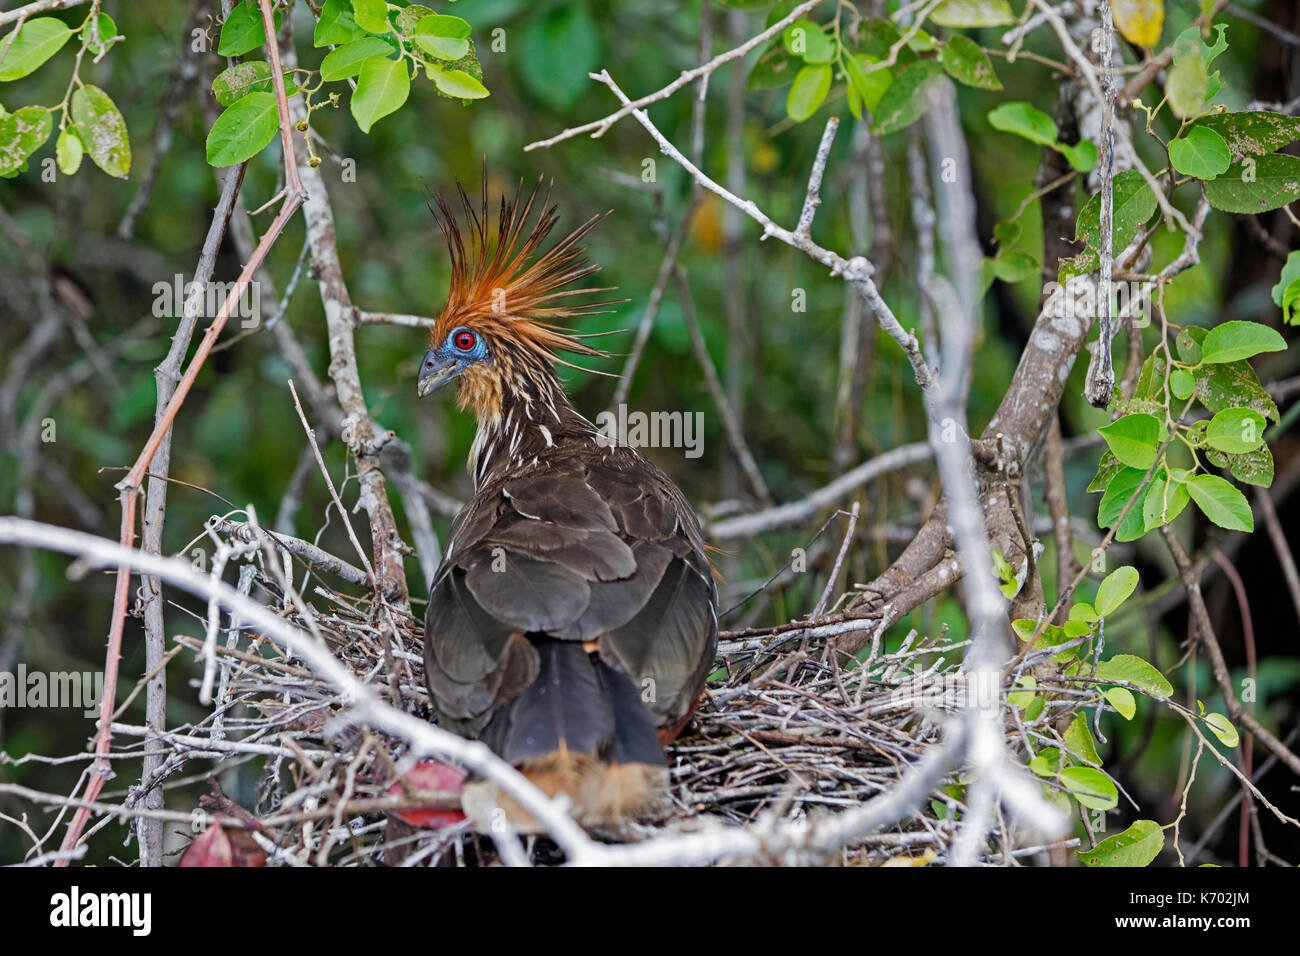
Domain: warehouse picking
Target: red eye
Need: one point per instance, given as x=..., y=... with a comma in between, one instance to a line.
x=464, y=341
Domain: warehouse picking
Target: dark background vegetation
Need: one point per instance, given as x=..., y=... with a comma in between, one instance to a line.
x=238, y=434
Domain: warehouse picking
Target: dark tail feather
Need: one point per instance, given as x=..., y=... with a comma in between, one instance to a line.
x=580, y=728
x=580, y=705
x=635, y=737
x=563, y=710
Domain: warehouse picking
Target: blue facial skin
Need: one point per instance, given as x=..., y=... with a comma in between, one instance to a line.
x=448, y=360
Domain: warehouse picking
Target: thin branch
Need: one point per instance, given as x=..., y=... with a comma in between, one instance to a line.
x=730, y=425
x=1100, y=384
x=39, y=6
x=828, y=496
x=597, y=128
x=366, y=707
x=1283, y=550
x=129, y=487
x=856, y=271
x=155, y=507
x=1219, y=666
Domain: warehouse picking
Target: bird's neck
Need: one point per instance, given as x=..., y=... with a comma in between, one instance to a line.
x=528, y=416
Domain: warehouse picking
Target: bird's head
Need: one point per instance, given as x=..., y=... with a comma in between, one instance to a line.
x=496, y=334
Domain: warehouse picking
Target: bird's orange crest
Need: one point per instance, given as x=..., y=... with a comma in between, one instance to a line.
x=501, y=285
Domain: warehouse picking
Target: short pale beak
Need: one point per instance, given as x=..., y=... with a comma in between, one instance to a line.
x=434, y=373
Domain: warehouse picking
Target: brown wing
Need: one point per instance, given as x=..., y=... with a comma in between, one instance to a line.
x=588, y=546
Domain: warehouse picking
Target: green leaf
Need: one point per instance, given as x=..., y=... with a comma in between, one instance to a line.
x=22, y=133
x=1151, y=378
x=1252, y=133
x=102, y=130
x=106, y=28
x=556, y=52
x=447, y=38
x=1005, y=574
x=967, y=63
x=382, y=87
x=336, y=25
x=1211, y=53
x=1256, y=184
x=1202, y=153
x=809, y=42
x=1024, y=698
x=406, y=21
x=1181, y=383
x=1189, y=344
x=1025, y=121
x=1122, y=488
x=1137, y=846
x=973, y=13
x=811, y=84
x=242, y=78
x=1236, y=430
x=346, y=60
x=1222, y=728
x=1136, y=671
x=1082, y=155
x=242, y=32
x=1121, y=698
x=459, y=84
x=371, y=15
x=37, y=40
x=1251, y=468
x=243, y=130
x=1221, y=386
x=1084, y=613
x=854, y=100
x=1107, y=468
x=907, y=98
x=1283, y=294
x=876, y=37
x=251, y=76
x=1221, y=502
x=1047, y=762
x=1090, y=787
x=68, y=152
x=1134, y=203
x=1187, y=84
x=1078, y=738
x=1115, y=589
x=1014, y=266
x=1165, y=500
x=1230, y=341
x=869, y=84
x=774, y=68
x=1052, y=635
x=1133, y=439
x=1007, y=232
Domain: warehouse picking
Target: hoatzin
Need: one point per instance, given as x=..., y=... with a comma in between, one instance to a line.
x=573, y=620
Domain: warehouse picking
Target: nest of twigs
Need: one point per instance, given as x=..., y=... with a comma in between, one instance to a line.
x=785, y=737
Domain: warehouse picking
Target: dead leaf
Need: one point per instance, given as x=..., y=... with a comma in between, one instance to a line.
x=925, y=859
x=1140, y=20
x=432, y=777
x=219, y=846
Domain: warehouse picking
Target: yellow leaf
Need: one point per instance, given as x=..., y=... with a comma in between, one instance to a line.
x=1140, y=20
x=925, y=859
